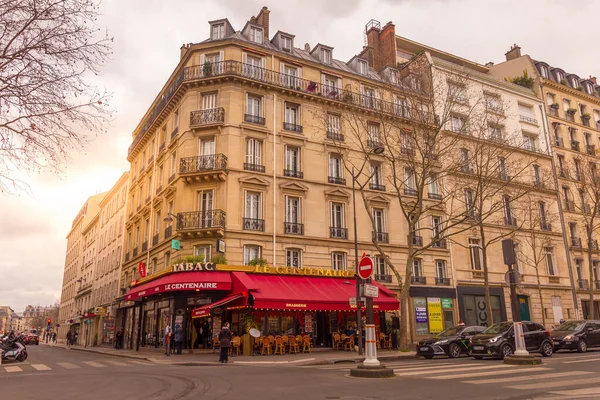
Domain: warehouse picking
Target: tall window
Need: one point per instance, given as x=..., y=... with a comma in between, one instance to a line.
x=170, y=208
x=465, y=160
x=293, y=212
x=544, y=71
x=333, y=123
x=292, y=158
x=457, y=123
x=379, y=219
x=470, y=202
x=457, y=92
x=290, y=76
x=209, y=101
x=254, y=106
x=203, y=251
x=434, y=186
x=362, y=67
x=401, y=107
x=440, y=269
x=376, y=175
x=380, y=267
x=417, y=268
x=218, y=31
x=410, y=183
x=173, y=163
x=326, y=56
x=256, y=35
x=436, y=227
x=476, y=254
x=293, y=258
x=292, y=112
x=537, y=174
x=373, y=134
x=253, y=66
x=338, y=261
x=495, y=132
x=543, y=216
x=492, y=102
x=157, y=222
x=336, y=166
x=508, y=213
x=337, y=215
x=286, y=43
x=137, y=236
x=550, y=261
x=595, y=266
x=253, y=209
x=254, y=151
x=579, y=268
x=251, y=252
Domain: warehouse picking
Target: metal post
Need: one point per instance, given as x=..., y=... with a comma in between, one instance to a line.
x=371, y=339
x=358, y=297
x=520, y=348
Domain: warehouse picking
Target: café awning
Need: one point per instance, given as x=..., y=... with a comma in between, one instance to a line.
x=204, y=311
x=284, y=292
x=193, y=281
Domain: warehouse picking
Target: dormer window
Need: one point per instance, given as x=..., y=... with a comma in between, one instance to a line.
x=589, y=88
x=559, y=76
x=544, y=71
x=286, y=43
x=362, y=67
x=574, y=82
x=256, y=35
x=326, y=56
x=218, y=31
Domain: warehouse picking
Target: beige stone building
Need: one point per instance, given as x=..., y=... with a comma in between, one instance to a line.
x=6, y=314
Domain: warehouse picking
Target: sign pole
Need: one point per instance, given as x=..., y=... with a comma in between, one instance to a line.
x=371, y=340
x=358, y=294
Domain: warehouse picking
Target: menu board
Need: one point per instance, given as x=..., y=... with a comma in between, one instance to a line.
x=308, y=323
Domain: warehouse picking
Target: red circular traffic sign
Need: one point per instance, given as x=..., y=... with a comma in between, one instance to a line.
x=365, y=267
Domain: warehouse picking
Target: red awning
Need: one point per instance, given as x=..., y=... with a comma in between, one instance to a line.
x=204, y=311
x=312, y=293
x=195, y=280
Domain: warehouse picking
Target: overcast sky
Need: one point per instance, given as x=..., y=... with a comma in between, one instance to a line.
x=148, y=35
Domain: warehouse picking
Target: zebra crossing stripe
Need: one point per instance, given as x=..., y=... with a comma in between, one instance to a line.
x=528, y=377
x=93, y=364
x=445, y=370
x=13, y=369
x=581, y=361
x=550, y=385
x=141, y=363
x=488, y=373
x=118, y=363
x=41, y=367
x=67, y=365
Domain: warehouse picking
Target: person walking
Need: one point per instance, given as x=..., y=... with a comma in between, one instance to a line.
x=225, y=342
x=69, y=338
x=53, y=338
x=168, y=339
x=118, y=338
x=206, y=335
x=178, y=338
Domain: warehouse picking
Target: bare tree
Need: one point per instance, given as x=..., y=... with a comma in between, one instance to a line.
x=49, y=53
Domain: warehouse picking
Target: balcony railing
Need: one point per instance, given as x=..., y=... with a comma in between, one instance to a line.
x=568, y=205
x=175, y=132
x=528, y=119
x=510, y=221
x=558, y=141
x=207, y=117
x=254, y=167
x=381, y=237
x=155, y=239
x=145, y=246
x=213, y=162
x=583, y=284
x=293, y=228
x=574, y=145
x=593, y=245
x=377, y=186
x=194, y=220
x=292, y=173
x=440, y=244
x=590, y=149
x=168, y=231
x=135, y=252
x=419, y=280
x=545, y=226
x=372, y=143
x=416, y=240
x=434, y=196
x=338, y=233
x=333, y=135
x=575, y=242
x=288, y=126
x=553, y=112
x=569, y=116
x=442, y=281
x=410, y=192
x=337, y=180
x=383, y=278
x=254, y=119
x=585, y=121
x=477, y=274
x=254, y=224
x=126, y=256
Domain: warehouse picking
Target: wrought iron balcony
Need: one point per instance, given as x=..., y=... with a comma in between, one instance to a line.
x=575, y=242
x=585, y=121
x=161, y=148
x=144, y=246
x=558, y=141
x=381, y=237
x=337, y=180
x=293, y=228
x=254, y=224
x=386, y=278
x=410, y=192
x=419, y=280
x=338, y=233
x=545, y=226
x=377, y=186
x=583, y=284
x=416, y=240
x=442, y=281
x=590, y=149
x=574, y=145
x=135, y=251
x=510, y=221
x=254, y=119
x=553, y=112
x=168, y=231
x=434, y=196
x=200, y=220
x=570, y=116
x=593, y=245
x=126, y=256
x=207, y=117
x=288, y=126
x=525, y=118
x=334, y=135
x=155, y=239
x=192, y=165
x=292, y=173
x=372, y=143
x=175, y=132
x=409, y=151
x=254, y=167
x=440, y=244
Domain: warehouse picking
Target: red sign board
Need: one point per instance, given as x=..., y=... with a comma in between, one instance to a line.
x=142, y=269
x=365, y=267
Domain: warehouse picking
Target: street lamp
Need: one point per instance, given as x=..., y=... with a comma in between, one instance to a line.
x=370, y=317
x=169, y=218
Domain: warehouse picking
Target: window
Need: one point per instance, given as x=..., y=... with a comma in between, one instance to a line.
x=470, y=202
x=380, y=267
x=417, y=269
x=560, y=76
x=465, y=162
x=286, y=43
x=401, y=107
x=579, y=269
x=551, y=98
x=333, y=124
x=292, y=115
x=326, y=56
x=293, y=211
x=434, y=186
x=543, y=215
x=509, y=219
x=253, y=66
x=440, y=269
x=574, y=82
x=253, y=209
x=589, y=88
x=518, y=256
x=436, y=227
x=368, y=96
x=170, y=208
x=176, y=119
x=457, y=123
x=254, y=106
x=337, y=215
x=336, y=167
x=157, y=222
x=167, y=260
x=205, y=205
x=476, y=254
x=338, y=261
x=566, y=104
x=537, y=175
x=362, y=67
x=292, y=158
x=410, y=184
x=218, y=31
x=530, y=142
x=595, y=264
x=253, y=151
x=293, y=258
x=492, y=102
x=376, y=175
x=256, y=34
x=203, y=251
x=457, y=93
x=290, y=76
x=372, y=135
x=495, y=132
x=550, y=260
x=251, y=252
x=379, y=220
x=209, y=101
x=544, y=72
x=173, y=163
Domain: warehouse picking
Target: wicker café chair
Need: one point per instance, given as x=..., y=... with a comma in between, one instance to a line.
x=306, y=344
x=279, y=347
x=266, y=347
x=349, y=345
x=216, y=343
x=337, y=341
x=294, y=347
x=235, y=346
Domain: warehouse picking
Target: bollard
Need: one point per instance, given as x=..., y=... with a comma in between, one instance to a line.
x=520, y=349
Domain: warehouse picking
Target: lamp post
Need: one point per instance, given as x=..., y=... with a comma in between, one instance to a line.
x=369, y=306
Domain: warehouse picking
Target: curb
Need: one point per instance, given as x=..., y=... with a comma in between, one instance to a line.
x=104, y=353
x=359, y=360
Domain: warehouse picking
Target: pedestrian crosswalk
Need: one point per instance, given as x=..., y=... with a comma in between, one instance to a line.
x=27, y=367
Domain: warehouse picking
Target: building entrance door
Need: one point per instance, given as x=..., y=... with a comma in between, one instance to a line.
x=524, y=308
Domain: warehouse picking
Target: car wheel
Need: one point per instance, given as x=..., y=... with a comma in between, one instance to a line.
x=454, y=350
x=428, y=357
x=506, y=351
x=581, y=346
x=547, y=349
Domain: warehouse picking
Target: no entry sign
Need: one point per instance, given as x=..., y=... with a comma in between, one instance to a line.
x=365, y=267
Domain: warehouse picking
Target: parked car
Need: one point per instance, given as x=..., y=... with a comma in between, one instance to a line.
x=451, y=342
x=31, y=337
x=499, y=340
x=576, y=335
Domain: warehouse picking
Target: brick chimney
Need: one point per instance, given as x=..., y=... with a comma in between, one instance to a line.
x=263, y=19
x=514, y=52
x=381, y=50
x=184, y=48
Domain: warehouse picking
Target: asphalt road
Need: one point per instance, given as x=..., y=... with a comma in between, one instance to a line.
x=56, y=373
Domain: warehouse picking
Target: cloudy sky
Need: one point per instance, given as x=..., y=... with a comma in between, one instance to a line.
x=148, y=35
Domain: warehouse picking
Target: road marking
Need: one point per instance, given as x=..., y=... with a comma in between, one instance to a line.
x=582, y=361
x=13, y=369
x=141, y=362
x=41, y=367
x=93, y=364
x=119, y=363
x=67, y=365
x=488, y=373
x=342, y=366
x=528, y=378
x=445, y=370
x=432, y=368
x=549, y=385
x=579, y=392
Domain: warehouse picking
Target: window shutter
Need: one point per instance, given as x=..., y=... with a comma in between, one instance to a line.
x=221, y=55
x=244, y=58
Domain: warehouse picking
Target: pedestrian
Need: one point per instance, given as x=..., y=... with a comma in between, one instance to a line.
x=225, y=341
x=69, y=338
x=167, y=339
x=205, y=335
x=53, y=338
x=118, y=338
x=75, y=337
x=178, y=338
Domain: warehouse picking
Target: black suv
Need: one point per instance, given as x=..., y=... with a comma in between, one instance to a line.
x=452, y=342
x=576, y=335
x=499, y=340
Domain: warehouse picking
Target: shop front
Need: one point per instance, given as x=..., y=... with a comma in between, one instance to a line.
x=473, y=305
x=433, y=310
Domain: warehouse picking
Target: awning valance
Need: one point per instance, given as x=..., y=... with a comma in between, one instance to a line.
x=204, y=311
x=195, y=280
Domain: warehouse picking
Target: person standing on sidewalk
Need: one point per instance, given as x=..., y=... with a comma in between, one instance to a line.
x=118, y=338
x=69, y=337
x=225, y=342
x=168, y=339
x=178, y=336
x=53, y=338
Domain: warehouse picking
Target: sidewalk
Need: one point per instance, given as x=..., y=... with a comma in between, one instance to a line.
x=208, y=357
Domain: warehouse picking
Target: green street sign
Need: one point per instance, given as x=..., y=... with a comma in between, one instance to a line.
x=446, y=303
x=175, y=244
x=87, y=321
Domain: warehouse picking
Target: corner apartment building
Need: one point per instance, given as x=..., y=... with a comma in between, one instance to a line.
x=6, y=316
x=572, y=107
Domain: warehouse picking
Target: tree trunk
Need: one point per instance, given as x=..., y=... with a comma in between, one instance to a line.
x=539, y=288
x=405, y=343
x=486, y=280
x=591, y=284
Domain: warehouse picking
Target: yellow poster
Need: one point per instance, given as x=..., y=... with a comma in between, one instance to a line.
x=434, y=310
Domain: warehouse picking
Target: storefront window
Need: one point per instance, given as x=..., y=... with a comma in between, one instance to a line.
x=476, y=310
x=421, y=320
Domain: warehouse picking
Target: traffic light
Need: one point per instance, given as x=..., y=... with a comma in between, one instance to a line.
x=49, y=321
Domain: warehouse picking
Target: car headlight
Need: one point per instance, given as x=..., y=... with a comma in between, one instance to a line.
x=568, y=337
x=495, y=339
x=470, y=340
x=440, y=342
